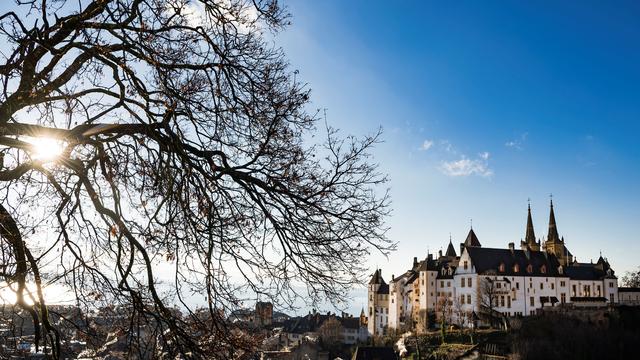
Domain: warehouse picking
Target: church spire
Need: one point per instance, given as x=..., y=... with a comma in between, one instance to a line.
x=530, y=236
x=552, y=236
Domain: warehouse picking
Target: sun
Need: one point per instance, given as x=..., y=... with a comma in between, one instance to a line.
x=46, y=149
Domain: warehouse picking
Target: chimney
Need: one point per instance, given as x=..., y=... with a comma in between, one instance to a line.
x=461, y=248
x=393, y=278
x=512, y=247
x=430, y=256
x=439, y=253
x=415, y=261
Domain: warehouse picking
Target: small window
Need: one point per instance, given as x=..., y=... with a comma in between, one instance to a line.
x=543, y=269
x=516, y=268
x=532, y=301
x=541, y=286
x=518, y=285
x=552, y=286
x=529, y=268
x=462, y=282
x=499, y=285
x=466, y=264
x=469, y=282
x=501, y=268
x=468, y=299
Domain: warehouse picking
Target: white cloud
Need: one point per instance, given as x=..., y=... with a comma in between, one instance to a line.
x=426, y=145
x=518, y=143
x=467, y=167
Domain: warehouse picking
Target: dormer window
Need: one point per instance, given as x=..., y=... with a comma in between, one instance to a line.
x=543, y=269
x=560, y=270
x=444, y=271
x=501, y=267
x=449, y=271
x=466, y=264
x=529, y=268
x=516, y=268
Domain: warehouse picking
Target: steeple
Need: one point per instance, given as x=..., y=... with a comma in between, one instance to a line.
x=530, y=235
x=552, y=236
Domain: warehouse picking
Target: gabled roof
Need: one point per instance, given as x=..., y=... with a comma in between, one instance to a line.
x=472, y=239
x=377, y=278
x=487, y=260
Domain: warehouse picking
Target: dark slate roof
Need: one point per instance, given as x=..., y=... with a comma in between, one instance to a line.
x=374, y=353
x=304, y=324
x=412, y=277
x=585, y=271
x=450, y=250
x=488, y=260
x=629, y=289
x=377, y=278
x=383, y=289
x=428, y=264
x=350, y=322
x=472, y=239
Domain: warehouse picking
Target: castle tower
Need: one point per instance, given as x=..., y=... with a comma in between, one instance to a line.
x=374, y=286
x=530, y=235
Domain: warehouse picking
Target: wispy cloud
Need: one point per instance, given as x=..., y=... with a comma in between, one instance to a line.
x=426, y=145
x=467, y=167
x=517, y=143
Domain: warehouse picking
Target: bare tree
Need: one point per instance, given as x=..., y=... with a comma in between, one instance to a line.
x=488, y=296
x=331, y=332
x=460, y=314
x=160, y=152
x=444, y=306
x=631, y=278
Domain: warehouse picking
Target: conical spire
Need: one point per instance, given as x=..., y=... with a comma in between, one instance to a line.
x=472, y=239
x=450, y=250
x=530, y=237
x=377, y=279
x=552, y=236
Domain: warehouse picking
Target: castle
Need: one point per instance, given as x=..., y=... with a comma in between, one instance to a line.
x=482, y=284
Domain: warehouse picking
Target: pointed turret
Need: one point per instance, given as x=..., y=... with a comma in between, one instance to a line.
x=377, y=279
x=530, y=235
x=472, y=239
x=450, y=250
x=552, y=236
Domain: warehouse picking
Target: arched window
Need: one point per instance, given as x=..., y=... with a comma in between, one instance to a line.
x=529, y=268
x=543, y=269
x=516, y=268
x=501, y=267
x=560, y=270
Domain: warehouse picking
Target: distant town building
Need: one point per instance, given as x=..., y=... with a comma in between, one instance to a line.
x=504, y=282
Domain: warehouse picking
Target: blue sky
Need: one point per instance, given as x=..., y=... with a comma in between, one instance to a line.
x=486, y=104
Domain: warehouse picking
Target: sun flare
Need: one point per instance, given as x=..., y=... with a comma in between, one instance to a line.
x=47, y=149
